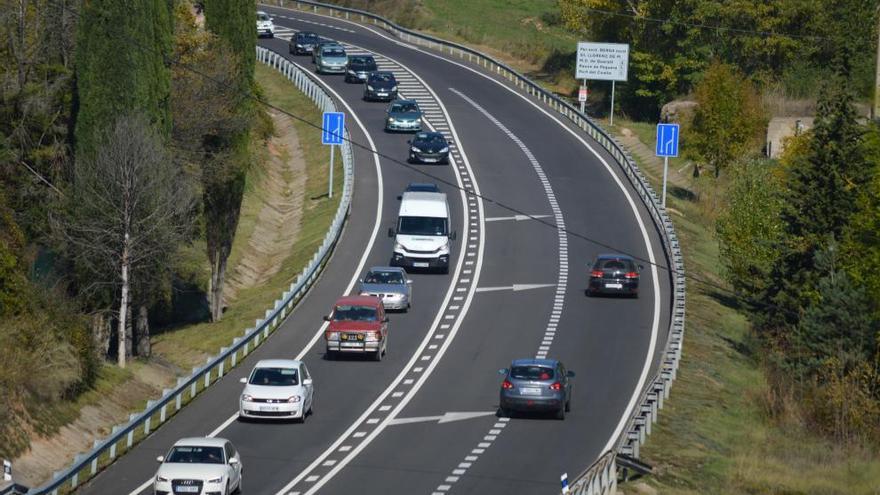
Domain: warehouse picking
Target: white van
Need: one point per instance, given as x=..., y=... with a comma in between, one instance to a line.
x=421, y=239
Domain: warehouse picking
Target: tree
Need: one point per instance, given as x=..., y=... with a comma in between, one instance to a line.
x=728, y=120
x=223, y=173
x=749, y=229
x=121, y=66
x=127, y=210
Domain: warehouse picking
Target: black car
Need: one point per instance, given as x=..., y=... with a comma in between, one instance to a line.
x=359, y=67
x=614, y=274
x=303, y=43
x=380, y=86
x=429, y=147
x=536, y=385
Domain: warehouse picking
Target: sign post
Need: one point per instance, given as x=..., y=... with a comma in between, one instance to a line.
x=667, y=145
x=603, y=62
x=582, y=95
x=7, y=470
x=332, y=131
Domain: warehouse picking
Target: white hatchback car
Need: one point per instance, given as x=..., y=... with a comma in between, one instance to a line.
x=265, y=26
x=278, y=389
x=198, y=466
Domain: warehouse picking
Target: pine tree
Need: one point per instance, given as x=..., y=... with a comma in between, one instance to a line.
x=235, y=22
x=121, y=66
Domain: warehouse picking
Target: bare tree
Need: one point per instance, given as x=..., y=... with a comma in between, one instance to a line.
x=129, y=208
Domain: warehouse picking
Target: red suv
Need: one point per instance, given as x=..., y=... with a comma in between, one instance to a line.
x=357, y=325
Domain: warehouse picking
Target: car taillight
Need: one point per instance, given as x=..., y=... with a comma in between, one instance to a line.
x=596, y=273
x=556, y=386
x=632, y=275
x=506, y=385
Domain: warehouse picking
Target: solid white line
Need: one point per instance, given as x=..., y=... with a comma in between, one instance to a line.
x=361, y=263
x=649, y=356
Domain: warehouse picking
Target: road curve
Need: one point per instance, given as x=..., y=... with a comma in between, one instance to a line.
x=516, y=157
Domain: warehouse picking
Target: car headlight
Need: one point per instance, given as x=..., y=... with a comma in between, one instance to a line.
x=394, y=88
x=398, y=246
x=415, y=150
x=370, y=88
x=333, y=336
x=160, y=479
x=215, y=481
x=391, y=120
x=246, y=397
x=293, y=399
x=445, y=149
x=372, y=337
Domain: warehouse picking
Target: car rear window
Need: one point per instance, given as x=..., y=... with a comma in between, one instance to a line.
x=274, y=377
x=615, y=264
x=333, y=52
x=531, y=373
x=354, y=313
x=384, y=278
x=187, y=454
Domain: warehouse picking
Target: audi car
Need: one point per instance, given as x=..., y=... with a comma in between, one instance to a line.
x=390, y=284
x=380, y=86
x=614, y=274
x=359, y=67
x=277, y=389
x=303, y=43
x=429, y=147
x=199, y=466
x=536, y=385
x=403, y=115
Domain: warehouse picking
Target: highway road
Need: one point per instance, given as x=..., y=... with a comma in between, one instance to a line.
x=377, y=426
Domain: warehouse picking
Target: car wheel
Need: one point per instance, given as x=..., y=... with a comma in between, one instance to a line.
x=378, y=355
x=444, y=270
x=560, y=414
x=242, y=419
x=568, y=405
x=271, y=35
x=227, y=492
x=330, y=355
x=239, y=488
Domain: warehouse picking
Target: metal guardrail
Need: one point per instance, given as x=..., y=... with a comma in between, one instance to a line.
x=158, y=411
x=601, y=477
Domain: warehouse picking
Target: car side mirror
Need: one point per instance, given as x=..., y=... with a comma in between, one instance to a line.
x=502, y=371
x=641, y=267
x=243, y=380
x=390, y=232
x=307, y=381
x=570, y=374
x=361, y=280
x=409, y=141
x=409, y=282
x=399, y=197
x=233, y=461
x=160, y=459
x=326, y=317
x=385, y=320
x=452, y=235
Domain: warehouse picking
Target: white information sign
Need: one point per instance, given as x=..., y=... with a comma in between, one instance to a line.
x=602, y=61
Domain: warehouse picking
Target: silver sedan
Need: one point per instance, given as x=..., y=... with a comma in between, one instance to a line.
x=390, y=284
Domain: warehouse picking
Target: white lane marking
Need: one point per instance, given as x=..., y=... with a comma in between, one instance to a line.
x=444, y=418
x=515, y=287
x=369, y=247
x=518, y=218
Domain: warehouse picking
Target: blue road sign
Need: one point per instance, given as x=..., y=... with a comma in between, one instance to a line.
x=333, y=128
x=667, y=140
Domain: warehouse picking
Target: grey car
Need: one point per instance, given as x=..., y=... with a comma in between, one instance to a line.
x=331, y=59
x=390, y=284
x=403, y=115
x=536, y=385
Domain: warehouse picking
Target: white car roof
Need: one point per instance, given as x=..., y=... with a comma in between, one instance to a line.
x=278, y=363
x=201, y=442
x=423, y=204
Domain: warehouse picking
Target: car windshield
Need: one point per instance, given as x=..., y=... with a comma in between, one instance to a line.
x=333, y=52
x=430, y=138
x=274, y=377
x=404, y=108
x=615, y=264
x=308, y=37
x=354, y=313
x=262, y=17
x=417, y=187
x=384, y=278
x=422, y=226
x=531, y=373
x=195, y=455
x=382, y=77
x=363, y=61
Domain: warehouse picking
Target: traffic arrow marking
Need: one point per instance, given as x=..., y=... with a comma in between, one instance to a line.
x=515, y=287
x=518, y=218
x=445, y=418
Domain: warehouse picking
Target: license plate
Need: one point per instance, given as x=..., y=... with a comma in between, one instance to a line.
x=430, y=160
x=421, y=264
x=350, y=344
x=267, y=408
x=187, y=489
x=613, y=286
x=381, y=94
x=530, y=391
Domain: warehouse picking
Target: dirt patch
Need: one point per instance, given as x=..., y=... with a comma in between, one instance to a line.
x=53, y=453
x=282, y=188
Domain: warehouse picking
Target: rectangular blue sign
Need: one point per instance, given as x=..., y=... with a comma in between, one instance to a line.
x=667, y=140
x=333, y=128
